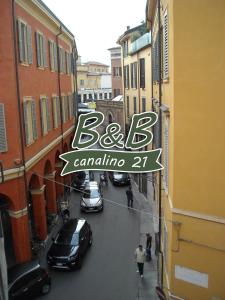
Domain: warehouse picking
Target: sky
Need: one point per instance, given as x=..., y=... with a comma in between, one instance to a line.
x=97, y=24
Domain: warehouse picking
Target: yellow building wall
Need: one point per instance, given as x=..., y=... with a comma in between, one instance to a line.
x=194, y=206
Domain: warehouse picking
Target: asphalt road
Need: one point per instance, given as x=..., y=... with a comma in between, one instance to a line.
x=109, y=270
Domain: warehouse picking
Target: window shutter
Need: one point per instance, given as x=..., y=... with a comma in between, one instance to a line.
x=48, y=114
x=42, y=115
x=165, y=47
x=132, y=75
x=166, y=153
x=25, y=122
x=20, y=40
x=45, y=52
x=29, y=45
x=58, y=111
x=142, y=73
x=34, y=119
x=128, y=77
x=3, y=140
x=38, y=50
x=51, y=55
x=55, y=56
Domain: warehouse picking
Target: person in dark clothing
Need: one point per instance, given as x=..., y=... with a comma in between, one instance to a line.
x=130, y=197
x=148, y=246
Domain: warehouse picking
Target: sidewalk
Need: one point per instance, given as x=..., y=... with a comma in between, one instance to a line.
x=146, y=286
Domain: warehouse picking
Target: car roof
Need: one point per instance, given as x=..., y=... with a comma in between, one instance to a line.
x=21, y=269
x=74, y=225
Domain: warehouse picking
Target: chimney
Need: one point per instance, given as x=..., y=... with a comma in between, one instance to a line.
x=128, y=27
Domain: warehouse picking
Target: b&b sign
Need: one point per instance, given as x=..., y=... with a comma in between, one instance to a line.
x=106, y=158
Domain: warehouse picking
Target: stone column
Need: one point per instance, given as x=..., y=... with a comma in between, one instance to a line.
x=51, y=193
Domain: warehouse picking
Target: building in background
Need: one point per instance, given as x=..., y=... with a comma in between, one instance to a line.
x=93, y=81
x=116, y=70
x=37, y=108
x=136, y=61
x=188, y=94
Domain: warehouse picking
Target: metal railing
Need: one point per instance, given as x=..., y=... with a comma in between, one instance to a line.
x=140, y=43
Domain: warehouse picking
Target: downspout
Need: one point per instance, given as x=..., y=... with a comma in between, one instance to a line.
x=124, y=100
x=22, y=138
x=160, y=137
x=75, y=83
x=59, y=84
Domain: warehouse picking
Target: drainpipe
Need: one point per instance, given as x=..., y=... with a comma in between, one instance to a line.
x=124, y=100
x=74, y=51
x=21, y=132
x=160, y=136
x=59, y=83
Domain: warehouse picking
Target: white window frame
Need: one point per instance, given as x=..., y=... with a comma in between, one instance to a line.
x=26, y=52
x=45, y=115
x=41, y=50
x=30, y=123
x=3, y=135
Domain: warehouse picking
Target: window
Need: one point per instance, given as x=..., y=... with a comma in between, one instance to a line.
x=71, y=106
x=82, y=82
x=90, y=97
x=128, y=107
x=3, y=139
x=62, y=60
x=25, y=43
x=65, y=109
x=105, y=96
x=166, y=153
x=30, y=124
x=68, y=63
x=143, y=104
x=135, y=105
x=53, y=55
x=165, y=46
x=56, y=111
x=45, y=115
x=100, y=96
x=110, y=95
x=41, y=50
x=85, y=97
x=125, y=48
x=126, y=77
x=95, y=96
x=142, y=73
x=117, y=71
x=134, y=75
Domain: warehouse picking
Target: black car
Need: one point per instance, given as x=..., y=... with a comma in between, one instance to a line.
x=80, y=179
x=119, y=178
x=70, y=245
x=28, y=280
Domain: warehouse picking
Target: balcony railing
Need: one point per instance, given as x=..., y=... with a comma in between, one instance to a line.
x=140, y=43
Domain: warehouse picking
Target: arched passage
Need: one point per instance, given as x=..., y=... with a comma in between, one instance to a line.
x=50, y=193
x=5, y=221
x=37, y=208
x=110, y=117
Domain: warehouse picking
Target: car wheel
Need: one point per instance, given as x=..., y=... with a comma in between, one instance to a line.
x=46, y=288
x=90, y=241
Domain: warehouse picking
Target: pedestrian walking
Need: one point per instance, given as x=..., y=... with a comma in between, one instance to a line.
x=148, y=246
x=130, y=197
x=140, y=259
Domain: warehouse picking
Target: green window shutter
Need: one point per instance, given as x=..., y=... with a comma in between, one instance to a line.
x=42, y=115
x=58, y=111
x=3, y=139
x=20, y=41
x=51, y=55
x=29, y=44
x=165, y=47
x=48, y=114
x=45, y=59
x=38, y=49
x=55, y=57
x=25, y=123
x=34, y=119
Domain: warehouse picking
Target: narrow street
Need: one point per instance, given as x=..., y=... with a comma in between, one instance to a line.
x=109, y=270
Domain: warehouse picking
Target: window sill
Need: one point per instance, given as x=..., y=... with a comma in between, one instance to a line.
x=24, y=64
x=165, y=80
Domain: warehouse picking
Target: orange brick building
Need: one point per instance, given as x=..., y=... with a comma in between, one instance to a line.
x=37, y=119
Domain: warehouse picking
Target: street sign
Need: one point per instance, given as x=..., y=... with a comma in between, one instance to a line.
x=160, y=293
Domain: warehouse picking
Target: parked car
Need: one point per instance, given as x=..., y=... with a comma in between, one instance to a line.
x=70, y=245
x=80, y=179
x=119, y=178
x=91, y=200
x=28, y=280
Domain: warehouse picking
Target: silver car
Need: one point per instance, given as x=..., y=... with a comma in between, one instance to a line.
x=91, y=200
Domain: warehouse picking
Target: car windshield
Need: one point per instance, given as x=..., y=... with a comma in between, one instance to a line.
x=68, y=238
x=93, y=193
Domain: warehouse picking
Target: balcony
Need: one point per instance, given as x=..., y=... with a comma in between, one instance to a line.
x=140, y=43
